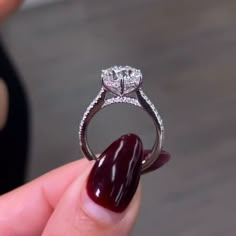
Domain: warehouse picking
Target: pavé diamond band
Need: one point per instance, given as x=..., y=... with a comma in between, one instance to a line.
x=123, y=83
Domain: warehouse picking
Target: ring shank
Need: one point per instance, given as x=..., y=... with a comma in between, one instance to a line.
x=149, y=108
x=142, y=102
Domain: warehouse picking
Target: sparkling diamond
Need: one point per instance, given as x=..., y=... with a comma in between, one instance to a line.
x=121, y=80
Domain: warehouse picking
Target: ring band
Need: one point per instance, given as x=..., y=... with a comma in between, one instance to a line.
x=123, y=83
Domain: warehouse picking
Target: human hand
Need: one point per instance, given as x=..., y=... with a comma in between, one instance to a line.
x=81, y=198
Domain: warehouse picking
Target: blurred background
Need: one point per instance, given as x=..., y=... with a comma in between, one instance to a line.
x=187, y=53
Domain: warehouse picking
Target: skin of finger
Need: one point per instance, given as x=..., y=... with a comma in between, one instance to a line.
x=34, y=203
x=3, y=104
x=7, y=7
x=70, y=218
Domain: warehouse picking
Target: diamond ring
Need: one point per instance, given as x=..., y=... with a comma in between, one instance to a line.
x=123, y=84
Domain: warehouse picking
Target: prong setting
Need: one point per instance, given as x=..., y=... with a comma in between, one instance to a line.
x=121, y=80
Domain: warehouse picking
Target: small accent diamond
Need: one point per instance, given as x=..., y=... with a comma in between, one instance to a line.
x=121, y=80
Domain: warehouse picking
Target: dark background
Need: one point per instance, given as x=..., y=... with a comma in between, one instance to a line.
x=187, y=52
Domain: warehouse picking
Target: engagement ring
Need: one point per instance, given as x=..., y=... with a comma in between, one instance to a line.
x=123, y=84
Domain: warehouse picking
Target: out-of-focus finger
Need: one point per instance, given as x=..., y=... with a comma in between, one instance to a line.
x=7, y=7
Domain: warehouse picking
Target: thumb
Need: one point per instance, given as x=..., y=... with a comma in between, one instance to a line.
x=104, y=200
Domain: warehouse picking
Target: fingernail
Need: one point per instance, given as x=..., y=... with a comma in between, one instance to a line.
x=114, y=179
x=163, y=158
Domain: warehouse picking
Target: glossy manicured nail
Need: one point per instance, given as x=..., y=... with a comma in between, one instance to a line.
x=114, y=179
x=161, y=161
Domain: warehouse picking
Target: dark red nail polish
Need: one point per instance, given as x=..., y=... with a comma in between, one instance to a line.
x=161, y=161
x=114, y=179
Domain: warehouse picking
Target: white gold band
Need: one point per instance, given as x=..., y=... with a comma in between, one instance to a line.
x=140, y=100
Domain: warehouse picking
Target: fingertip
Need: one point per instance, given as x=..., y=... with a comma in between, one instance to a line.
x=78, y=214
x=107, y=218
x=163, y=159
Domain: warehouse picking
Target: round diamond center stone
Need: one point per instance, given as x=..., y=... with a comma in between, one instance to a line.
x=121, y=80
